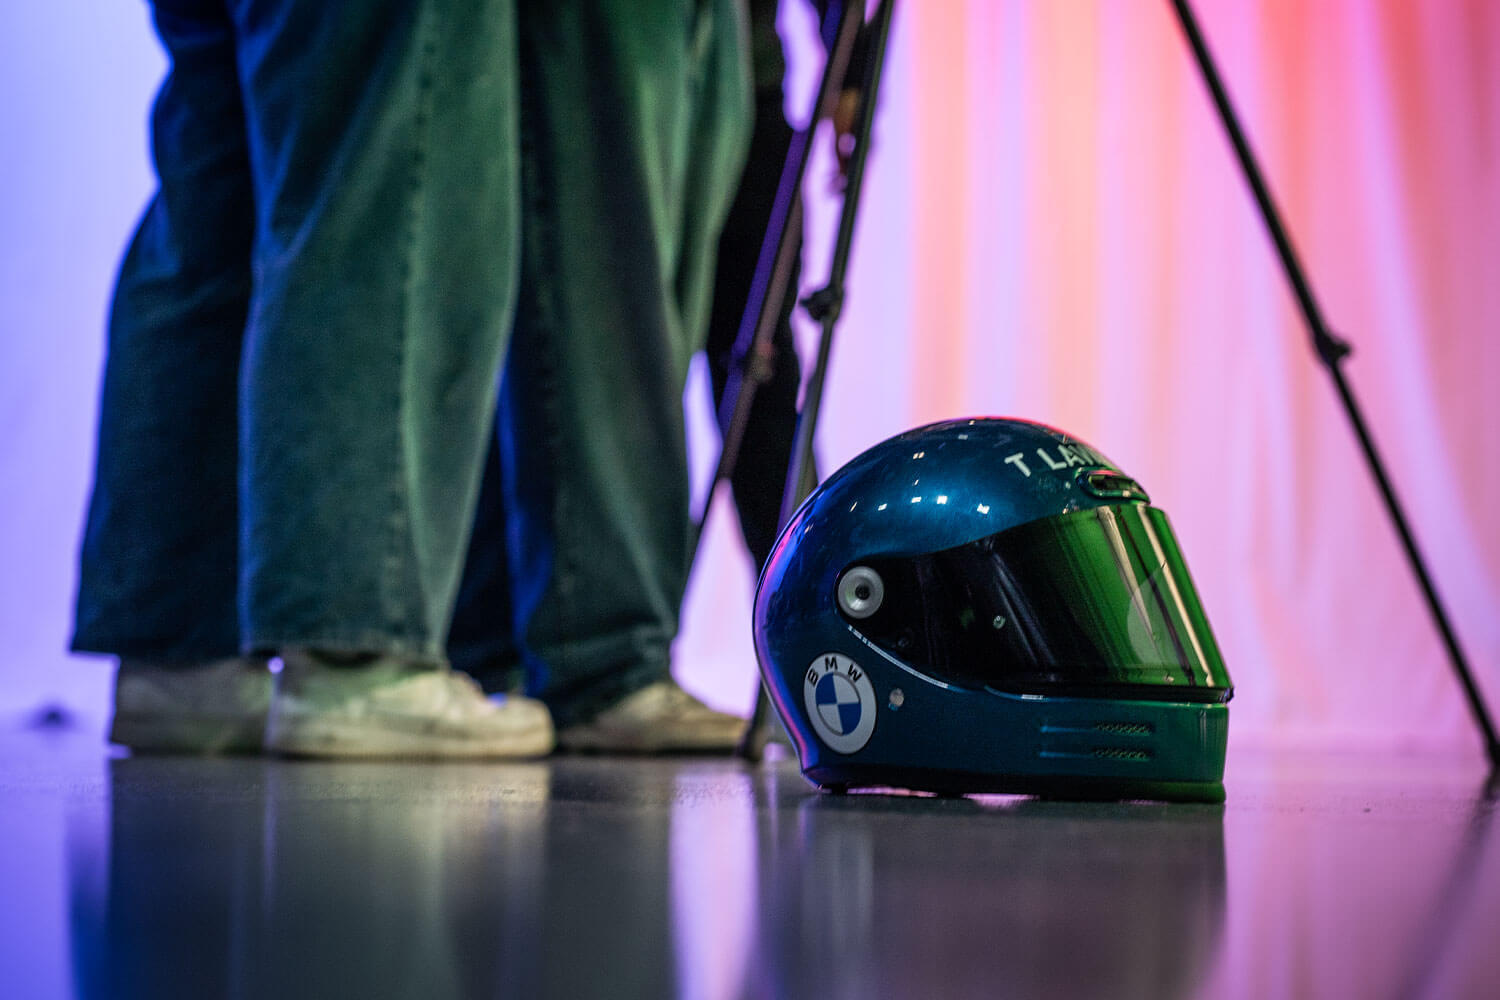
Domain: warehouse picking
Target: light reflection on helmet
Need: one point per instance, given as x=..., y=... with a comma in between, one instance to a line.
x=991, y=605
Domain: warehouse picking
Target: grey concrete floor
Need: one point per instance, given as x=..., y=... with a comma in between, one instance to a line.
x=1322, y=876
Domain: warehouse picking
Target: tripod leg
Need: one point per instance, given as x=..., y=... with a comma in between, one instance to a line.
x=773, y=276
x=1332, y=351
x=752, y=746
x=825, y=306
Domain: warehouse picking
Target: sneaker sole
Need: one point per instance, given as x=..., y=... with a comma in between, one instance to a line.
x=591, y=740
x=324, y=738
x=145, y=732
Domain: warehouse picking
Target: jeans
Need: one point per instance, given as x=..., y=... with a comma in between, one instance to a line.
x=582, y=530
x=356, y=206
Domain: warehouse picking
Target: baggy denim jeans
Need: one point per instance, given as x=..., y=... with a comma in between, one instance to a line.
x=356, y=206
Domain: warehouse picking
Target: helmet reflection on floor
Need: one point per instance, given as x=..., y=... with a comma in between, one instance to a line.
x=991, y=605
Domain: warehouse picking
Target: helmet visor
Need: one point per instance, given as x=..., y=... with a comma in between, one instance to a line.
x=1094, y=603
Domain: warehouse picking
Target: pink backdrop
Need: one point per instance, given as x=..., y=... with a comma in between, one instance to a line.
x=1056, y=229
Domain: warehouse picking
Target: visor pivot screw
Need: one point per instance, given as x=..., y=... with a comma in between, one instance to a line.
x=898, y=698
x=860, y=592
x=999, y=622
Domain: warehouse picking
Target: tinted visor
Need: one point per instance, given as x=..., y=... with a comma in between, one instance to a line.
x=1094, y=603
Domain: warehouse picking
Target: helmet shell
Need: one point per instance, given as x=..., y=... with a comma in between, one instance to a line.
x=936, y=488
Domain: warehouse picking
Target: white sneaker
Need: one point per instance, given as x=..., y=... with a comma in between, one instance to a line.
x=392, y=707
x=659, y=718
x=217, y=706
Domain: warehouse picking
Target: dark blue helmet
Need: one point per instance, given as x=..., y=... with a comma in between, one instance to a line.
x=991, y=605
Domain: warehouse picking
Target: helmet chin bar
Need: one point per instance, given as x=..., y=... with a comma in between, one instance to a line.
x=1075, y=748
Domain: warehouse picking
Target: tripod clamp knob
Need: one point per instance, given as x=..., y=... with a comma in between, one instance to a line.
x=825, y=304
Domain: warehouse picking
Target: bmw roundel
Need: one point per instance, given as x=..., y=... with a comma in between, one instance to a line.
x=840, y=702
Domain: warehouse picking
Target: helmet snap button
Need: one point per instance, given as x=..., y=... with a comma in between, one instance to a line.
x=860, y=592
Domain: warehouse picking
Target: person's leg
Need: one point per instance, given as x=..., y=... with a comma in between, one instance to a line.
x=480, y=641
x=383, y=150
x=158, y=564
x=383, y=143
x=634, y=125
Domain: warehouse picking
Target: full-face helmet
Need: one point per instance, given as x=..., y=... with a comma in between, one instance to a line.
x=991, y=605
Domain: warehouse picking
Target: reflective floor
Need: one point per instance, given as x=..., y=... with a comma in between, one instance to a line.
x=597, y=877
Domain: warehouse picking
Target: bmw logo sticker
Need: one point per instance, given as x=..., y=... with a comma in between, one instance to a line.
x=840, y=701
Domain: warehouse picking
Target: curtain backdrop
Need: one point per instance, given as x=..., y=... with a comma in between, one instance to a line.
x=1053, y=228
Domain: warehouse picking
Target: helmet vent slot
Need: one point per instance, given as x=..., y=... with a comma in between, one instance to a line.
x=1121, y=753
x=1106, y=484
x=1125, y=728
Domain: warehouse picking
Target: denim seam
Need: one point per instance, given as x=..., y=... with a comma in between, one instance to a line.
x=401, y=546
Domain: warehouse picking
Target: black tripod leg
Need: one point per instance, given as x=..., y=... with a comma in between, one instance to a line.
x=773, y=271
x=1332, y=351
x=825, y=306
